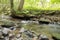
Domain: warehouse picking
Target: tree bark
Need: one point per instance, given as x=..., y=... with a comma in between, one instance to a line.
x=12, y=5
x=20, y=7
x=12, y=8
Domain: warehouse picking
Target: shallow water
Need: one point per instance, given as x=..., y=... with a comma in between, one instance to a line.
x=35, y=26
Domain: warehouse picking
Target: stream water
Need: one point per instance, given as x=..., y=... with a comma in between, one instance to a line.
x=34, y=25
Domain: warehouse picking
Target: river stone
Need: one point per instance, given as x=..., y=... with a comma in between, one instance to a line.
x=8, y=24
x=46, y=20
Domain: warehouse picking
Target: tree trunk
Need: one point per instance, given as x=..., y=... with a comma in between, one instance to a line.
x=12, y=8
x=12, y=5
x=20, y=7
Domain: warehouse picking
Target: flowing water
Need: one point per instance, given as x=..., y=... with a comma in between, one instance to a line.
x=34, y=26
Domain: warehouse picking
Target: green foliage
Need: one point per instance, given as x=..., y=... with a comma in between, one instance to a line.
x=42, y=4
x=30, y=12
x=4, y=1
x=55, y=1
x=35, y=4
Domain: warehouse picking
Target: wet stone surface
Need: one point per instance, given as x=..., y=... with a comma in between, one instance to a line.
x=16, y=29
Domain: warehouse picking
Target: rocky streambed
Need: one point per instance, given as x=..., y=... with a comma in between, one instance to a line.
x=42, y=26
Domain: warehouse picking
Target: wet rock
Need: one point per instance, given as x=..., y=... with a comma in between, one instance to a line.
x=22, y=30
x=43, y=22
x=20, y=17
x=5, y=32
x=2, y=39
x=12, y=35
x=29, y=33
x=12, y=28
x=7, y=24
x=43, y=37
x=6, y=38
x=34, y=38
x=19, y=36
x=54, y=38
